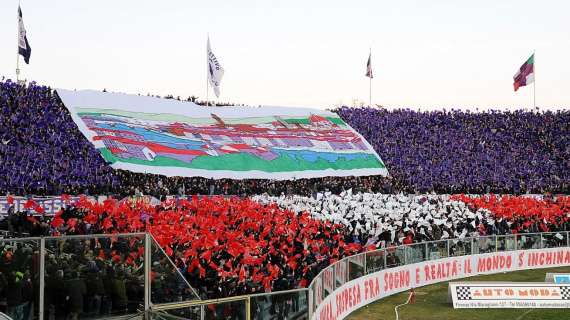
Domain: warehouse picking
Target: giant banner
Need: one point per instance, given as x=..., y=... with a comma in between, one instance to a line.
x=359, y=292
x=174, y=138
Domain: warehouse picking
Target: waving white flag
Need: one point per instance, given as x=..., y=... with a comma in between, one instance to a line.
x=23, y=46
x=215, y=71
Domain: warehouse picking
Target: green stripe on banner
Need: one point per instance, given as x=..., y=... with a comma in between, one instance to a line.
x=337, y=121
x=246, y=162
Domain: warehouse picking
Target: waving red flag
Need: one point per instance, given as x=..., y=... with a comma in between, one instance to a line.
x=30, y=204
x=57, y=222
x=39, y=209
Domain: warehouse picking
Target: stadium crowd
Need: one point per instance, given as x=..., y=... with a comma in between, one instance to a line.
x=386, y=219
x=225, y=246
x=92, y=277
x=505, y=152
x=160, y=186
x=280, y=238
x=230, y=246
x=41, y=149
x=39, y=137
x=445, y=152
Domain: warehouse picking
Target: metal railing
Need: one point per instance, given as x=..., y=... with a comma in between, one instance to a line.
x=287, y=305
x=118, y=274
x=158, y=290
x=359, y=265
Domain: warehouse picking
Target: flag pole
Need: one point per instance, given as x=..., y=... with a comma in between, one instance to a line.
x=534, y=82
x=18, y=46
x=370, y=82
x=207, y=68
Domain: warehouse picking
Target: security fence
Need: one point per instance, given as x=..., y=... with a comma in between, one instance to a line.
x=87, y=276
x=126, y=276
x=286, y=305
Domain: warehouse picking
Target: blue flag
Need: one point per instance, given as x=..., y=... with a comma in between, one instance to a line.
x=23, y=45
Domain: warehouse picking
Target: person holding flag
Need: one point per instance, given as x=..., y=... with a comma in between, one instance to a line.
x=24, y=48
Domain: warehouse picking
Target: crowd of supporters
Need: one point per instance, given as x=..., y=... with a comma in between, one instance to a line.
x=159, y=186
x=507, y=152
x=385, y=219
x=43, y=153
x=222, y=246
x=225, y=246
x=41, y=149
x=231, y=246
x=89, y=277
x=279, y=239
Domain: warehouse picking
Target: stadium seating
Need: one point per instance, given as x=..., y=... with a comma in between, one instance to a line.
x=41, y=150
x=230, y=246
x=507, y=152
x=281, y=233
x=217, y=242
x=444, y=152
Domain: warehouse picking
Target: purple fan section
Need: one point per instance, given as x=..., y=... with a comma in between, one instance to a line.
x=42, y=152
x=476, y=152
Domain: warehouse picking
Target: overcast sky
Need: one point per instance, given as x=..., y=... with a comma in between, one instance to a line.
x=429, y=54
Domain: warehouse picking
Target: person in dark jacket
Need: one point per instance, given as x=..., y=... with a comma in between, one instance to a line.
x=55, y=293
x=95, y=291
x=76, y=290
x=119, y=292
x=3, y=292
x=28, y=295
x=15, y=298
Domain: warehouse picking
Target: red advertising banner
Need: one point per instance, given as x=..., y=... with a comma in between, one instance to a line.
x=362, y=291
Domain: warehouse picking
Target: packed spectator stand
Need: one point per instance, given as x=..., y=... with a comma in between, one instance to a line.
x=276, y=235
x=231, y=246
x=441, y=151
x=506, y=152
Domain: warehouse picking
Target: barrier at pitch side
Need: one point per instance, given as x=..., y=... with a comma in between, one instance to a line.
x=385, y=272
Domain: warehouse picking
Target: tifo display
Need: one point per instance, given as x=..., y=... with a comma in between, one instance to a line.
x=117, y=203
x=218, y=243
x=429, y=151
x=174, y=138
x=244, y=200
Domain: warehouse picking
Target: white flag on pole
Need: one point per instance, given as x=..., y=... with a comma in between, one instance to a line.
x=23, y=46
x=215, y=71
